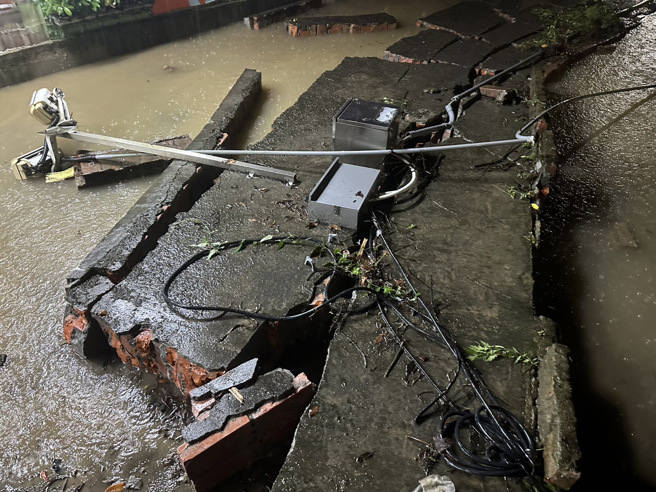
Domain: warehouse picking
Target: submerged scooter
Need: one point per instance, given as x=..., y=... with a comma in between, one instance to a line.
x=50, y=108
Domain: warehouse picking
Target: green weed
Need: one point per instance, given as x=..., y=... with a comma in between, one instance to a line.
x=488, y=353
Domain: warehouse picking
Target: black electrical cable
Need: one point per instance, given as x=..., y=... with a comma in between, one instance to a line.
x=502, y=457
x=510, y=450
x=578, y=98
x=252, y=314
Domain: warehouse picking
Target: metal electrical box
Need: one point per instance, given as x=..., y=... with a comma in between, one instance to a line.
x=365, y=125
x=341, y=194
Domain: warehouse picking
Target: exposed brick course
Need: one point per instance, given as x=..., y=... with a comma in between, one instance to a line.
x=245, y=439
x=263, y=19
x=314, y=26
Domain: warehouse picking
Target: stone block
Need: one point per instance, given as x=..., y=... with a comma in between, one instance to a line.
x=501, y=95
x=556, y=419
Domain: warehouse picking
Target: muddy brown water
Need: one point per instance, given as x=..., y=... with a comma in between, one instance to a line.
x=106, y=421
x=599, y=260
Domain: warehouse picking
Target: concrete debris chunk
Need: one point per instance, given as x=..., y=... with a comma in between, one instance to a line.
x=502, y=95
x=556, y=419
x=240, y=375
x=134, y=483
x=268, y=387
x=435, y=483
x=245, y=439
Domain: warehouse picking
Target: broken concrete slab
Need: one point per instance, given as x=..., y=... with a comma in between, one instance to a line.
x=137, y=233
x=557, y=420
x=465, y=19
x=501, y=60
x=262, y=19
x=246, y=439
x=465, y=53
x=268, y=387
x=236, y=377
x=214, y=343
x=314, y=26
x=420, y=48
x=523, y=24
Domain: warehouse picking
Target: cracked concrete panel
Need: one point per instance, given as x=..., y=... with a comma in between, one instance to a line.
x=465, y=53
x=466, y=19
x=526, y=23
x=235, y=208
x=420, y=48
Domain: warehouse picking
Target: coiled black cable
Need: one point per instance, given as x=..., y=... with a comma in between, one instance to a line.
x=502, y=457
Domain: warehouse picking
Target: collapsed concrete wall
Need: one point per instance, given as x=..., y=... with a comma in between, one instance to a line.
x=136, y=234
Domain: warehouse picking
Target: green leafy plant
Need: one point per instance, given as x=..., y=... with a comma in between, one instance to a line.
x=61, y=8
x=488, y=353
x=559, y=26
x=514, y=192
x=366, y=270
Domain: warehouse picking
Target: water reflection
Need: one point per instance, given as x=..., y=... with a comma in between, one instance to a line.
x=600, y=248
x=54, y=405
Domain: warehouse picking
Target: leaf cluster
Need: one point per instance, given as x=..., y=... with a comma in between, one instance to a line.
x=61, y=8
x=488, y=353
x=368, y=271
x=589, y=21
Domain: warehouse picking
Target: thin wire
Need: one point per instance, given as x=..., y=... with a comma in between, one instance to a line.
x=578, y=98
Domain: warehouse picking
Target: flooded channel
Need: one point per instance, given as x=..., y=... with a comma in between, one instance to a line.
x=598, y=260
x=101, y=420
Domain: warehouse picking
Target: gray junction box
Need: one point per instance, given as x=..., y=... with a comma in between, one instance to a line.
x=341, y=194
x=365, y=125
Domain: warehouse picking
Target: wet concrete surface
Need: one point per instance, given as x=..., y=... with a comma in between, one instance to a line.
x=464, y=237
x=467, y=236
x=466, y=19
x=422, y=47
